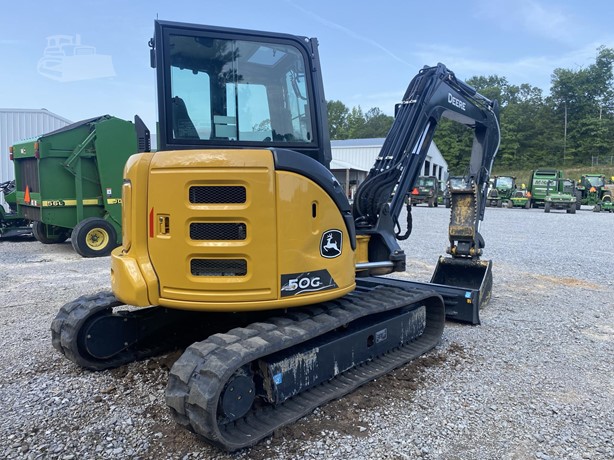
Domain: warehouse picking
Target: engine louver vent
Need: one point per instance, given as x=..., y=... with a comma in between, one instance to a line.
x=218, y=232
x=214, y=194
x=218, y=267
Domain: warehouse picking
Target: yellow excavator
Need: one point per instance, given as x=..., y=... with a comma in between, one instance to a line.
x=239, y=243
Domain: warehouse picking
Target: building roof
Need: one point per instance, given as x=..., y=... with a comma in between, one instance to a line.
x=340, y=164
x=360, y=154
x=36, y=112
x=348, y=143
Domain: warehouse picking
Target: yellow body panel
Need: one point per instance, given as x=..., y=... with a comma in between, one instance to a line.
x=133, y=279
x=282, y=221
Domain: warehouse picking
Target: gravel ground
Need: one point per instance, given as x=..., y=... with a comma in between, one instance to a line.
x=534, y=380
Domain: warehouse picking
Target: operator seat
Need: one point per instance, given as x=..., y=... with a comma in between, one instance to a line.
x=183, y=128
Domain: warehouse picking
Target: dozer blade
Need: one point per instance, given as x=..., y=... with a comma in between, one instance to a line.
x=465, y=286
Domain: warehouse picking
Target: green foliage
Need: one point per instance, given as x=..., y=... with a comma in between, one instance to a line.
x=337, y=119
x=570, y=127
x=455, y=140
x=354, y=124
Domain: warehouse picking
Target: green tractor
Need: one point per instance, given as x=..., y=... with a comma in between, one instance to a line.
x=592, y=189
x=503, y=187
x=12, y=223
x=560, y=194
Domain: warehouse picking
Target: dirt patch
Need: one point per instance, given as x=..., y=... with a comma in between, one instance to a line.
x=164, y=362
x=571, y=282
x=170, y=437
x=349, y=415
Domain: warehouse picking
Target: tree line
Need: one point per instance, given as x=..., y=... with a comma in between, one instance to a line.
x=569, y=127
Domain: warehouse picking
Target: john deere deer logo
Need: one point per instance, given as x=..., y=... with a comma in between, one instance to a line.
x=330, y=244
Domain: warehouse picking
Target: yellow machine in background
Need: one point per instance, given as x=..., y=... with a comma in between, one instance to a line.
x=237, y=237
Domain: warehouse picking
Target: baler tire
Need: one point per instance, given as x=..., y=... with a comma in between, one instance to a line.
x=40, y=234
x=94, y=237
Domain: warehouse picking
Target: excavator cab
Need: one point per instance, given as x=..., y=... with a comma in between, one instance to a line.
x=230, y=88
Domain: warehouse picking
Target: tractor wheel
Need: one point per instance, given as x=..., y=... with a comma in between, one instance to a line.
x=572, y=209
x=94, y=237
x=510, y=204
x=547, y=207
x=40, y=232
x=430, y=202
x=446, y=202
x=500, y=204
x=597, y=208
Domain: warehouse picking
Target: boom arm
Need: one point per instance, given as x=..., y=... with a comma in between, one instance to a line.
x=434, y=93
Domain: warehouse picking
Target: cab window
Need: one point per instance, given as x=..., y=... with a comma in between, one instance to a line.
x=238, y=91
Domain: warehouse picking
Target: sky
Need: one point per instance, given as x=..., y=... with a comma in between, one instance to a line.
x=369, y=51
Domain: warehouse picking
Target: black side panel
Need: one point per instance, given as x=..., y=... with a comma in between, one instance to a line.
x=289, y=160
x=28, y=174
x=143, y=135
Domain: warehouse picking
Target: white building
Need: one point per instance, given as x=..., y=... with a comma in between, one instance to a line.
x=20, y=124
x=353, y=158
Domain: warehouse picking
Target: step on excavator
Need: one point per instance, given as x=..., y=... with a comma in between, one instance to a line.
x=240, y=244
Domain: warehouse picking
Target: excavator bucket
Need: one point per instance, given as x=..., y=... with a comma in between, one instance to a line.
x=472, y=276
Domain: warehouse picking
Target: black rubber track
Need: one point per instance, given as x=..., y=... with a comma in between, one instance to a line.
x=171, y=329
x=69, y=322
x=198, y=377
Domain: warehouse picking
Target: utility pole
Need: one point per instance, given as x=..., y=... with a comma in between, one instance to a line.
x=565, y=135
